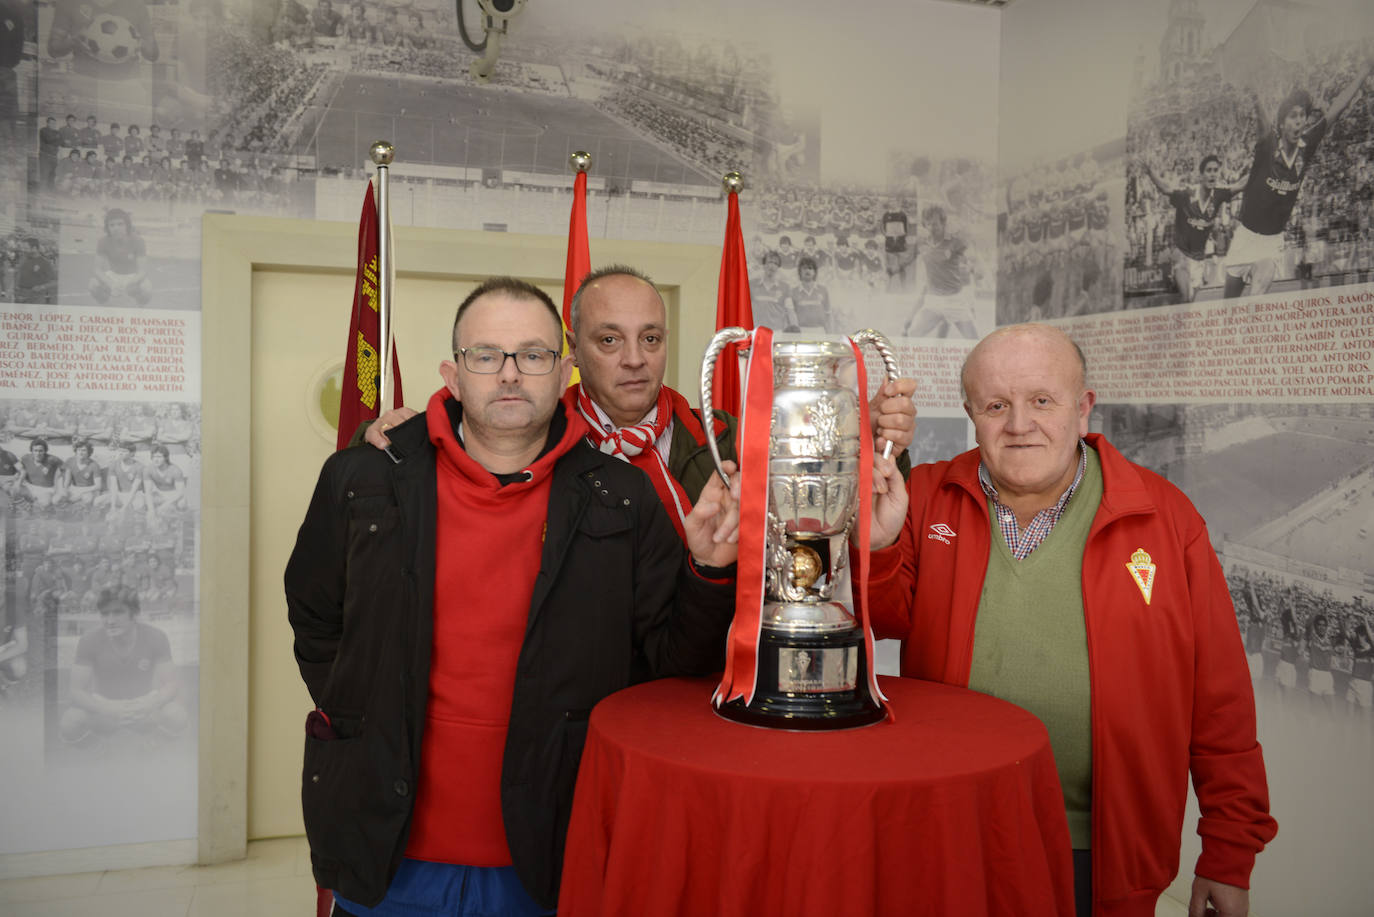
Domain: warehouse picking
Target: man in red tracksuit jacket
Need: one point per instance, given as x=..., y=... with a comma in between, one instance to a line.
x=1047, y=569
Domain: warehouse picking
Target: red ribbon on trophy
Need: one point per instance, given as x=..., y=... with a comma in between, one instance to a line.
x=742, y=645
x=858, y=584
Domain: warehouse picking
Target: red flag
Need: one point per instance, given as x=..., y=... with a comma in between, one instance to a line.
x=579, y=253
x=358, y=400
x=732, y=309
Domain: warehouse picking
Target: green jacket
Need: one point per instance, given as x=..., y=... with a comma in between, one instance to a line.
x=691, y=464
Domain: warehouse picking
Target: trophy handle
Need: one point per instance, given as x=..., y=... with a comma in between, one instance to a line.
x=718, y=343
x=884, y=347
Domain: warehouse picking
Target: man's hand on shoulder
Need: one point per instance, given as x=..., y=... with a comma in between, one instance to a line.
x=1211, y=897
x=712, y=527
x=376, y=432
x=893, y=414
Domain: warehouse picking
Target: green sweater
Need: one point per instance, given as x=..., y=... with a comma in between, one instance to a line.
x=1030, y=645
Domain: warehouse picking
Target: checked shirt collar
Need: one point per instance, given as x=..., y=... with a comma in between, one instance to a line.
x=1023, y=541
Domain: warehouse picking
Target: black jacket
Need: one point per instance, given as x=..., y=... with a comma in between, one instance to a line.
x=615, y=602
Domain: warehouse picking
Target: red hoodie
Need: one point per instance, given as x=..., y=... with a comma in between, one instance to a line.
x=491, y=535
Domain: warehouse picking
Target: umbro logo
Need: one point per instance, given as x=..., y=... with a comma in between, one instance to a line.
x=941, y=532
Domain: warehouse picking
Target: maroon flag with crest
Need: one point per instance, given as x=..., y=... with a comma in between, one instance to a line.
x=359, y=396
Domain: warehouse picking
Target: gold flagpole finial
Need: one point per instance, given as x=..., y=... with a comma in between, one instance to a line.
x=733, y=182
x=581, y=161
x=381, y=153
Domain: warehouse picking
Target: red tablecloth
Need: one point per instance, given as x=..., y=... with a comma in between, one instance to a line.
x=955, y=810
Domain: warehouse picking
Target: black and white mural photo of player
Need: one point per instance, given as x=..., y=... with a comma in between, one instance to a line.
x=1248, y=170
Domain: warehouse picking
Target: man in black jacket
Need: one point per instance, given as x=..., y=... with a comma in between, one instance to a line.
x=458, y=612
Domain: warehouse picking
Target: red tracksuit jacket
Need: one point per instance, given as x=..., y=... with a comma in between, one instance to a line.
x=1171, y=692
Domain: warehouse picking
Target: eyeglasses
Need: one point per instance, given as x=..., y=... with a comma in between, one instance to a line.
x=532, y=361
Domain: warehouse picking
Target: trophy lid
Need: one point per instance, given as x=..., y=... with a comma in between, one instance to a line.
x=823, y=349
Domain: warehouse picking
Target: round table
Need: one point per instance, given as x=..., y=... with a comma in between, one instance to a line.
x=953, y=809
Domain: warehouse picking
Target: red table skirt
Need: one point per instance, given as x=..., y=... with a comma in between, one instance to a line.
x=954, y=809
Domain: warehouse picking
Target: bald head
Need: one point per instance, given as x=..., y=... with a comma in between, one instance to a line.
x=1051, y=340
x=608, y=281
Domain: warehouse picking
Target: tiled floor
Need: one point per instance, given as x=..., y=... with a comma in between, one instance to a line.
x=274, y=881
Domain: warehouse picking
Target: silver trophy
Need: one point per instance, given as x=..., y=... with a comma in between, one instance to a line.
x=812, y=664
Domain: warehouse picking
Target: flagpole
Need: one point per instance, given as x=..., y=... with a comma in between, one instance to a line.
x=382, y=153
x=733, y=309
x=579, y=256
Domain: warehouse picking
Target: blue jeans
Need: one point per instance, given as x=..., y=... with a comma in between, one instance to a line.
x=423, y=889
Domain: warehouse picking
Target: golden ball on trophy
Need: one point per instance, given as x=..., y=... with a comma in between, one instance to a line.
x=806, y=566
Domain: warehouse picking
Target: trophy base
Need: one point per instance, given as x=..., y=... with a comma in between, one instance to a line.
x=809, y=683
x=795, y=618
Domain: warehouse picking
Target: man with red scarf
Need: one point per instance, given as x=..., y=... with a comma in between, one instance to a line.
x=461, y=602
x=620, y=347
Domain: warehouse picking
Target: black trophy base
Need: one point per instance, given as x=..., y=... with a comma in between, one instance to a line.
x=809, y=682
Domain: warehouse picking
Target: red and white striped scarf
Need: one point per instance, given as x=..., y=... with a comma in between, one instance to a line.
x=637, y=445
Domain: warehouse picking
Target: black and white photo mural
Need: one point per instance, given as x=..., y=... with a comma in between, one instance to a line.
x=124, y=122
x=1184, y=185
